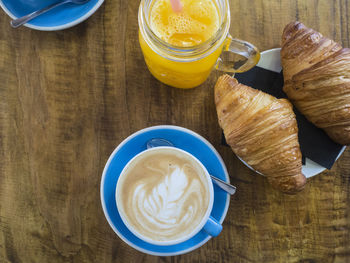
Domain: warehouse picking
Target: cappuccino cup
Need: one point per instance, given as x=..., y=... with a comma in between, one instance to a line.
x=165, y=195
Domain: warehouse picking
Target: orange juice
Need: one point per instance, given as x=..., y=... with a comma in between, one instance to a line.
x=195, y=24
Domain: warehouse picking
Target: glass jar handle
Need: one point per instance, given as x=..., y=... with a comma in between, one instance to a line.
x=237, y=56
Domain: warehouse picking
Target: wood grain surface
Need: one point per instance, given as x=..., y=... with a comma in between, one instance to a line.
x=68, y=98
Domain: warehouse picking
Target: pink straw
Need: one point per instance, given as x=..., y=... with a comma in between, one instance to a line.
x=176, y=5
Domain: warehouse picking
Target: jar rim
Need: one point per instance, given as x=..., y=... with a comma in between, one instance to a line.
x=177, y=53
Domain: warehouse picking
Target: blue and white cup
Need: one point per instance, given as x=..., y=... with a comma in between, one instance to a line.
x=183, y=139
x=163, y=209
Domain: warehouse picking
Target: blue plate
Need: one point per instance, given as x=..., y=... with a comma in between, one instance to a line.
x=62, y=17
x=135, y=143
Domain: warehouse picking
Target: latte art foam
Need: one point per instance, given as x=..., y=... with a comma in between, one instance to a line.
x=164, y=196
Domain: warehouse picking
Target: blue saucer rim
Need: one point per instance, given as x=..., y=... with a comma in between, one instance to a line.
x=103, y=203
x=55, y=28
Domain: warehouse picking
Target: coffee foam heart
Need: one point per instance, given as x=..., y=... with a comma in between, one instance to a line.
x=164, y=197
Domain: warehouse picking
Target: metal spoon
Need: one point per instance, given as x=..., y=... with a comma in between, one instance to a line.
x=156, y=142
x=24, y=19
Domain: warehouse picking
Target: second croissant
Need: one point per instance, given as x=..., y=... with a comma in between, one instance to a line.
x=262, y=130
x=317, y=79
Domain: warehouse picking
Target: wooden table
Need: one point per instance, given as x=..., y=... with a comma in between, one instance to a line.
x=68, y=98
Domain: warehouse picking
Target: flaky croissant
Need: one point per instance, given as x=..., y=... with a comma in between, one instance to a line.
x=317, y=79
x=262, y=130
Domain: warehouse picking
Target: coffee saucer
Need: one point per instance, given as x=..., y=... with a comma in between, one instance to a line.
x=59, y=18
x=181, y=138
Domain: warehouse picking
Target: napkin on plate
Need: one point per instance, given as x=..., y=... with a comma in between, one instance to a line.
x=314, y=142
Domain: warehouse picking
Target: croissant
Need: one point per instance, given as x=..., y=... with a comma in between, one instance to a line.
x=317, y=79
x=262, y=130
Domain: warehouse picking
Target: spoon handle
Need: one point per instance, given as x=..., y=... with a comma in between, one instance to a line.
x=223, y=185
x=24, y=19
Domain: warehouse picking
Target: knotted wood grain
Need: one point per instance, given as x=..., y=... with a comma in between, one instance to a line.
x=69, y=97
